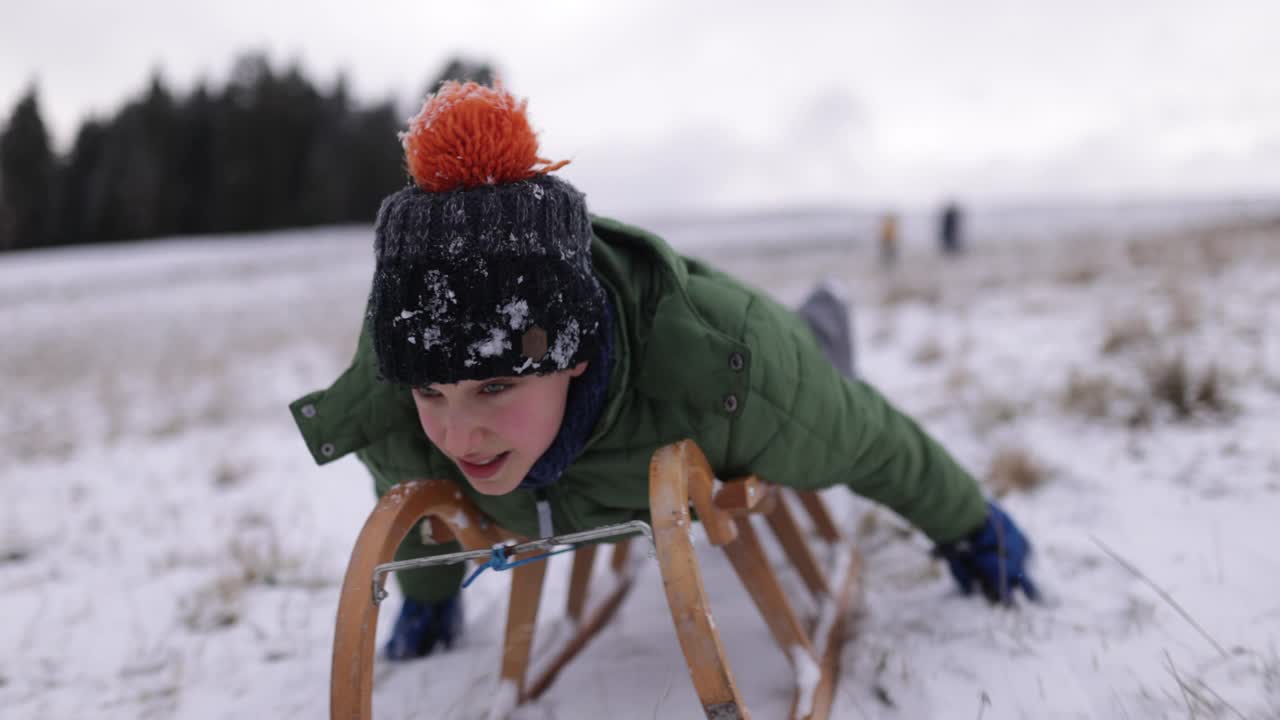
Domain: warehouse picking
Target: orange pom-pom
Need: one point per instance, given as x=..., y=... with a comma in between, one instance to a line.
x=470, y=135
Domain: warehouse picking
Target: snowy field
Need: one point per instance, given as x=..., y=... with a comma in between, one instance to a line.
x=168, y=549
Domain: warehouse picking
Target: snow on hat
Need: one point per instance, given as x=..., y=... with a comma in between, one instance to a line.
x=483, y=264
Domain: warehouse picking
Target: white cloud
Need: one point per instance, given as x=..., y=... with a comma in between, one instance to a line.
x=735, y=104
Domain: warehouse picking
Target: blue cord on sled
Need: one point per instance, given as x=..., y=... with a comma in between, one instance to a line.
x=498, y=560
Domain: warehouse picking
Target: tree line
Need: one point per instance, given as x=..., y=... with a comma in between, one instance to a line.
x=268, y=150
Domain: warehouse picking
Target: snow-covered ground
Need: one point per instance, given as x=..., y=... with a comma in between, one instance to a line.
x=168, y=549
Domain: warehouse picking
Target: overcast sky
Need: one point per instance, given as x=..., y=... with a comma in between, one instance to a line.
x=735, y=104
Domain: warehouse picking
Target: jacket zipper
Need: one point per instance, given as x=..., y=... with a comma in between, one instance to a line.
x=546, y=527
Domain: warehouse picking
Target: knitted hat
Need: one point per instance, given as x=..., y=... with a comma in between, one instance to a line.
x=483, y=265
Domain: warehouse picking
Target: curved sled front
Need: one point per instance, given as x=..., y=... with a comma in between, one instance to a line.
x=678, y=473
x=453, y=516
x=351, y=681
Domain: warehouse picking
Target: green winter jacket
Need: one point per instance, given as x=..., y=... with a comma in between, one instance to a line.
x=697, y=355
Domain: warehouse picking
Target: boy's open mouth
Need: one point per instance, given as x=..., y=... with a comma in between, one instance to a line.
x=485, y=469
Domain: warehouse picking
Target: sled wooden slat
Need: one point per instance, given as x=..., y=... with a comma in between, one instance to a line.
x=596, y=619
x=522, y=620
x=784, y=526
x=758, y=577
x=847, y=600
x=822, y=522
x=583, y=562
x=744, y=496
x=621, y=555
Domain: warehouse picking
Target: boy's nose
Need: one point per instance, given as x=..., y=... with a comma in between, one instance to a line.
x=463, y=436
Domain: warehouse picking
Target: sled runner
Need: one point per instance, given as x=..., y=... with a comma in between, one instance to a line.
x=678, y=475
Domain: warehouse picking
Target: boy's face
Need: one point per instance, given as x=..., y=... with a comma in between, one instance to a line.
x=495, y=430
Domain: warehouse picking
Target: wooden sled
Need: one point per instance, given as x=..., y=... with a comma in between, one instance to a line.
x=679, y=475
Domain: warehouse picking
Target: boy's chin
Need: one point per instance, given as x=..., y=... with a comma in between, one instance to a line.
x=499, y=485
x=485, y=487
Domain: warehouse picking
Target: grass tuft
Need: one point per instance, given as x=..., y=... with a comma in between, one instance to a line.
x=1013, y=469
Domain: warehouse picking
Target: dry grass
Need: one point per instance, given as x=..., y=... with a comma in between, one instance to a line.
x=1218, y=248
x=1127, y=331
x=1185, y=312
x=14, y=550
x=1174, y=385
x=1211, y=393
x=1270, y=671
x=1088, y=395
x=255, y=557
x=928, y=352
x=1207, y=250
x=1079, y=274
x=260, y=557
x=231, y=473
x=958, y=379
x=990, y=410
x=987, y=408
x=901, y=291
x=886, y=330
x=1169, y=381
x=215, y=605
x=1013, y=469
x=1145, y=252
x=106, y=366
x=1167, y=387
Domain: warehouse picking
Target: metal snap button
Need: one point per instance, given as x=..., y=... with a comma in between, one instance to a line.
x=309, y=410
x=730, y=403
x=737, y=362
x=327, y=449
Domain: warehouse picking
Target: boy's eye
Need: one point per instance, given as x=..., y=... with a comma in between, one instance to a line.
x=427, y=392
x=494, y=388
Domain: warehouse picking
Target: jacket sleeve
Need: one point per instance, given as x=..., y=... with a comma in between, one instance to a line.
x=899, y=465
x=805, y=425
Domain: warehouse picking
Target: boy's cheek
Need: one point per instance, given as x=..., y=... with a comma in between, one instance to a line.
x=431, y=429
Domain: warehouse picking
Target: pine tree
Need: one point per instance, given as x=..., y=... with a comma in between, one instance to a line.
x=462, y=69
x=27, y=175
x=269, y=150
x=82, y=187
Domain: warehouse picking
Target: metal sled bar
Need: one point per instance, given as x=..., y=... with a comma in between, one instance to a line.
x=546, y=543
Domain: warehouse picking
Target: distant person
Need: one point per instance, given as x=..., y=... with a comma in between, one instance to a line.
x=889, y=239
x=537, y=356
x=950, y=229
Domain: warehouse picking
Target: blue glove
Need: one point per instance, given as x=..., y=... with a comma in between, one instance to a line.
x=994, y=557
x=422, y=626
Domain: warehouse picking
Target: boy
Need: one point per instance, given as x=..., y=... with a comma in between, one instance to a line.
x=539, y=356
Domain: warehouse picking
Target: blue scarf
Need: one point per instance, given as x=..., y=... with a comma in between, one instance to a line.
x=587, y=395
